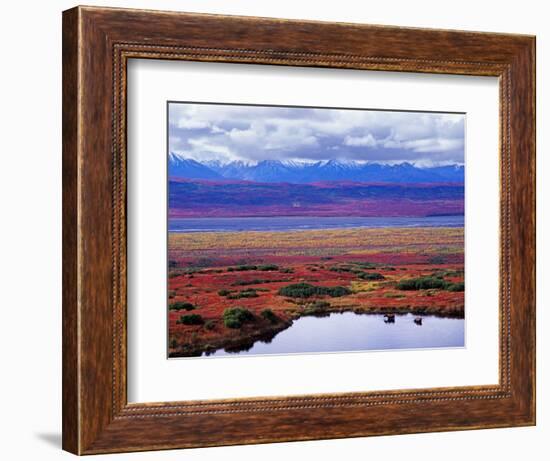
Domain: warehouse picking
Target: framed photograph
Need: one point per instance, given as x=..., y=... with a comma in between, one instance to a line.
x=282, y=230
x=286, y=235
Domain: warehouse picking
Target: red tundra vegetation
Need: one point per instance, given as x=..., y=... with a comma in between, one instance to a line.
x=230, y=289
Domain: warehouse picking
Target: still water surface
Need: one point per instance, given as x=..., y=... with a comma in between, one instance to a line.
x=293, y=223
x=348, y=331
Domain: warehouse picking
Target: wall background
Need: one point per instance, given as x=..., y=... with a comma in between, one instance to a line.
x=30, y=247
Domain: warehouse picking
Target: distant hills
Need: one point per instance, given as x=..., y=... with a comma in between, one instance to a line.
x=230, y=198
x=275, y=171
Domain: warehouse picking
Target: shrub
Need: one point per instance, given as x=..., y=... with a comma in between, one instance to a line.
x=371, y=276
x=456, y=286
x=317, y=308
x=306, y=290
x=298, y=290
x=231, y=322
x=269, y=315
x=428, y=283
x=244, y=267
x=320, y=305
x=350, y=269
x=224, y=292
x=191, y=319
x=240, y=283
x=358, y=269
x=393, y=295
x=268, y=267
x=236, y=316
x=178, y=306
x=339, y=269
x=173, y=343
x=248, y=293
x=192, y=270
x=210, y=324
x=335, y=292
x=366, y=265
x=421, y=283
x=287, y=270
x=448, y=273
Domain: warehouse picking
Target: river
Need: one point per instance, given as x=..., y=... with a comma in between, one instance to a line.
x=293, y=223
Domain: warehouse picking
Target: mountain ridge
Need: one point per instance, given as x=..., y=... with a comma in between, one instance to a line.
x=275, y=171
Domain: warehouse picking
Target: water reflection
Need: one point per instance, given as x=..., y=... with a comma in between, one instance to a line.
x=339, y=332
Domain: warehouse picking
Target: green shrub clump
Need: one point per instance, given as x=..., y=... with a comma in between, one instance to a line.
x=248, y=293
x=306, y=290
x=269, y=315
x=371, y=276
x=334, y=292
x=421, y=283
x=393, y=295
x=428, y=283
x=236, y=316
x=210, y=324
x=456, y=286
x=244, y=267
x=178, y=306
x=366, y=265
x=268, y=267
x=191, y=319
x=240, y=283
x=340, y=269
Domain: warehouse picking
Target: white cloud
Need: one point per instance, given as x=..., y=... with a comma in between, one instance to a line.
x=216, y=129
x=205, y=146
x=367, y=140
x=190, y=124
x=255, y=133
x=249, y=136
x=428, y=145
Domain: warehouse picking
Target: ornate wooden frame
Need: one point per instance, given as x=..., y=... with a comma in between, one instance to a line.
x=97, y=43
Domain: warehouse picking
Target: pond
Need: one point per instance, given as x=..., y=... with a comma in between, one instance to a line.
x=340, y=332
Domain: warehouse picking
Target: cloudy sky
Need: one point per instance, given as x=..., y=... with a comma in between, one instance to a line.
x=255, y=133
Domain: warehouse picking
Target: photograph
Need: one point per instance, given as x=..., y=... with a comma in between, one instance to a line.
x=275, y=230
x=313, y=229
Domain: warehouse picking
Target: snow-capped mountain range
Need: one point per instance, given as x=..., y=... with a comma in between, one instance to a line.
x=274, y=171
